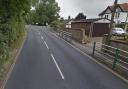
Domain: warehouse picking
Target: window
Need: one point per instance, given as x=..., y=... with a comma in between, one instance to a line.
x=117, y=15
x=106, y=16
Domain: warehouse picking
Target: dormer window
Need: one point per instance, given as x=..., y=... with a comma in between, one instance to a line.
x=106, y=16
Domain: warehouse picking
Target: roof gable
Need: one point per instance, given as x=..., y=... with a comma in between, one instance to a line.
x=108, y=9
x=124, y=7
x=120, y=7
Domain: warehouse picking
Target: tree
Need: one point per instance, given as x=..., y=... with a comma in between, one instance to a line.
x=58, y=24
x=112, y=22
x=80, y=16
x=12, y=24
x=46, y=11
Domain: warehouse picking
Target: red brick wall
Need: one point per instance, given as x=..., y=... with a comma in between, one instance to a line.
x=99, y=29
x=77, y=25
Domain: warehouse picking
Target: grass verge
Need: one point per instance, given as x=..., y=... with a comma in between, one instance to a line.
x=5, y=66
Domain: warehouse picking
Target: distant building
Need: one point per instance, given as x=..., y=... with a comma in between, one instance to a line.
x=95, y=27
x=121, y=13
x=68, y=24
x=78, y=17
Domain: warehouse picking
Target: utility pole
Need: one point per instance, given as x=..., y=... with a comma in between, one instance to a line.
x=112, y=22
x=126, y=24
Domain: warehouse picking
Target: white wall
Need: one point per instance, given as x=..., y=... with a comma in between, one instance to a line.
x=68, y=25
x=121, y=18
x=103, y=21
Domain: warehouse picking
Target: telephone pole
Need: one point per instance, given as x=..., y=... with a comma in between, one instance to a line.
x=112, y=22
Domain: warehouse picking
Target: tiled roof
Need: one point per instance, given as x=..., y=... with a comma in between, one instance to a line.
x=123, y=7
x=87, y=20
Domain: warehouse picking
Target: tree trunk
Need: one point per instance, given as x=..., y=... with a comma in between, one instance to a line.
x=112, y=23
x=126, y=24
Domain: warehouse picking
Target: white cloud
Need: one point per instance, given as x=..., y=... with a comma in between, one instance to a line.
x=91, y=8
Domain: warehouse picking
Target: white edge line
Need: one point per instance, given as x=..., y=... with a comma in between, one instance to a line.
x=105, y=67
x=62, y=76
x=46, y=45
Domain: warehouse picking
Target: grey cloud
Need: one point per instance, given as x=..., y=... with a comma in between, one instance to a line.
x=91, y=8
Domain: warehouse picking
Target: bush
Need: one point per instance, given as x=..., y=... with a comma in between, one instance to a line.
x=120, y=25
x=4, y=50
x=126, y=37
x=10, y=36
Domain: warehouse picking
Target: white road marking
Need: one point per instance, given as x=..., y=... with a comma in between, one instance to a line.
x=46, y=45
x=62, y=76
x=102, y=65
x=42, y=37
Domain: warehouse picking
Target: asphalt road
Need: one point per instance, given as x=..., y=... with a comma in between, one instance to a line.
x=48, y=62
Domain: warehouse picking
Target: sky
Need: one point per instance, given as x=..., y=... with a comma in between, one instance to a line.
x=91, y=8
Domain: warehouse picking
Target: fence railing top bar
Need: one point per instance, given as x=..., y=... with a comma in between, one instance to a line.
x=112, y=47
x=124, y=51
x=106, y=45
x=66, y=32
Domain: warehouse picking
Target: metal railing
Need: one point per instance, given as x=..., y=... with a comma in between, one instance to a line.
x=66, y=35
x=115, y=56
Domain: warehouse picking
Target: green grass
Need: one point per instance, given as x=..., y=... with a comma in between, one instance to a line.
x=5, y=65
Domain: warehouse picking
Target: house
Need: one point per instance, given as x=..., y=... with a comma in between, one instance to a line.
x=68, y=24
x=95, y=26
x=120, y=15
x=78, y=17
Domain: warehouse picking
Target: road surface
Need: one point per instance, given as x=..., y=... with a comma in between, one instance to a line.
x=48, y=62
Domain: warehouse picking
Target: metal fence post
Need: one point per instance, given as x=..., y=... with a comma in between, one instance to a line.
x=116, y=58
x=94, y=46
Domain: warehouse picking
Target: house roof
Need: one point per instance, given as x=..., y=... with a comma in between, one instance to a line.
x=123, y=7
x=88, y=20
x=67, y=20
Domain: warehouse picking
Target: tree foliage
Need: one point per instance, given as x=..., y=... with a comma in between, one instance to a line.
x=14, y=13
x=12, y=25
x=80, y=16
x=46, y=11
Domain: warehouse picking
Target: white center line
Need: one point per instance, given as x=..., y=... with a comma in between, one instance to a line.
x=57, y=67
x=46, y=45
x=42, y=37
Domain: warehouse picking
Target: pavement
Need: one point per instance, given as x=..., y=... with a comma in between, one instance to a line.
x=48, y=62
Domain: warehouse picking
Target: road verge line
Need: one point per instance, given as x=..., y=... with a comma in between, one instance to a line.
x=62, y=76
x=105, y=67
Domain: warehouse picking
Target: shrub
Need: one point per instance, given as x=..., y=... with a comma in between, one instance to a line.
x=126, y=37
x=120, y=25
